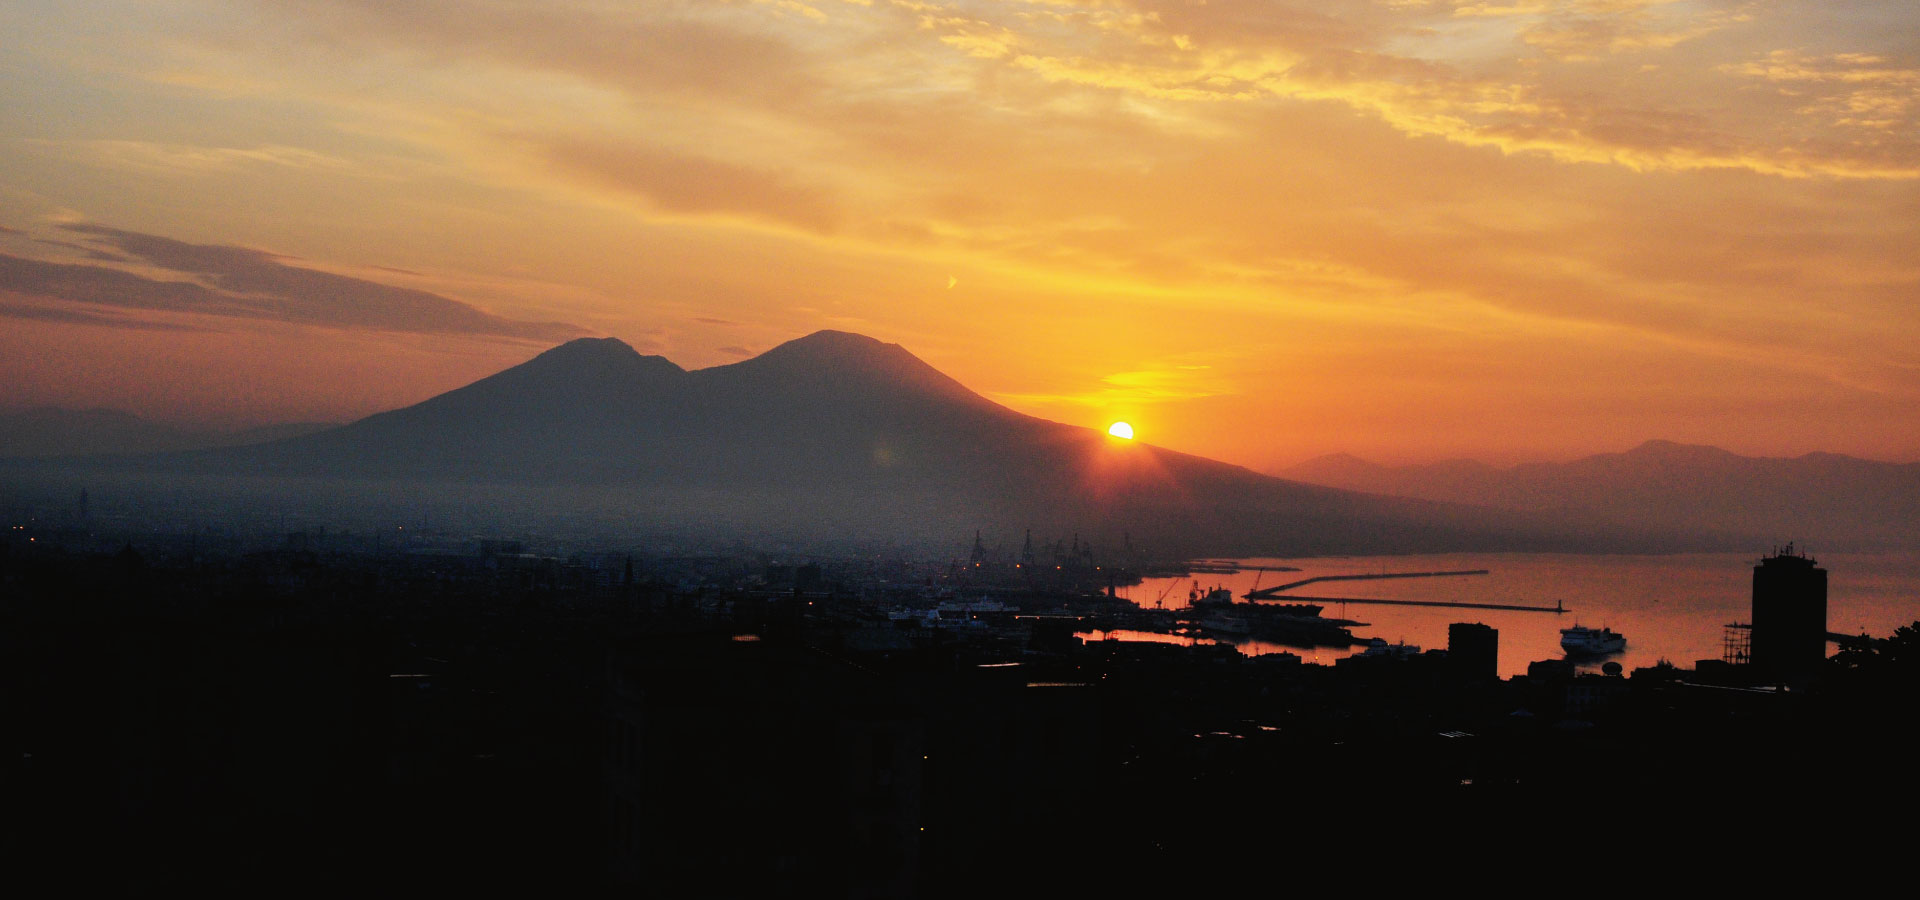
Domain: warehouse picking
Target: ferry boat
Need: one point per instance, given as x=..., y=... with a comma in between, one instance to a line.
x=1583, y=641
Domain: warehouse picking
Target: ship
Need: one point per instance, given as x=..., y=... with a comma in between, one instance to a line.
x=1219, y=598
x=1216, y=612
x=1583, y=641
x=1222, y=623
x=1304, y=631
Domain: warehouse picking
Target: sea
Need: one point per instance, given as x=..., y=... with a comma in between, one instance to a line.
x=1674, y=608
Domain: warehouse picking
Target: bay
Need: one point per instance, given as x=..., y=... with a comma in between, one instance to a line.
x=1670, y=607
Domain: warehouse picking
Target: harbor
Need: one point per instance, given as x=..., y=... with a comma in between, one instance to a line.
x=1673, y=606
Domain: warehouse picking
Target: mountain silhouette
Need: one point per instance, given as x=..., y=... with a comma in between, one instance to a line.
x=840, y=434
x=1823, y=498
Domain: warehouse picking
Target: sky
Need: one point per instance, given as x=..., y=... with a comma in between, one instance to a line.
x=1259, y=231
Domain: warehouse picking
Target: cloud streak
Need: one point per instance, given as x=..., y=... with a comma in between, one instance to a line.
x=36, y=313
x=240, y=282
x=688, y=184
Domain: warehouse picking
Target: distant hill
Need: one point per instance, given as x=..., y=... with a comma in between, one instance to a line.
x=1819, y=499
x=834, y=435
x=51, y=431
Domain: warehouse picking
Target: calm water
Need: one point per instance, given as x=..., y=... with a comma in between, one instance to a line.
x=1669, y=607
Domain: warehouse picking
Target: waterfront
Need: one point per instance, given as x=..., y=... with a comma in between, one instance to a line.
x=1669, y=607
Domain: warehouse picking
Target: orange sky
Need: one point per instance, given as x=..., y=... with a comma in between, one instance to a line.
x=1260, y=231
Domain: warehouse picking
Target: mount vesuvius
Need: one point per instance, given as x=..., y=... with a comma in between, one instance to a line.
x=833, y=435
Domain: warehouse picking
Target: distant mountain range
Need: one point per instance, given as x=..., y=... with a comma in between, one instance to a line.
x=1819, y=499
x=835, y=435
x=83, y=432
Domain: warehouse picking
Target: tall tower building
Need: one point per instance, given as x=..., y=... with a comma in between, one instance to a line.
x=1473, y=650
x=1789, y=617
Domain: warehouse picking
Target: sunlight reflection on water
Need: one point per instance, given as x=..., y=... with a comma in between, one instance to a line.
x=1669, y=607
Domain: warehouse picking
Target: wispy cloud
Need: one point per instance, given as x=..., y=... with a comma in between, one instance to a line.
x=83, y=250
x=682, y=183
x=71, y=316
x=153, y=156
x=1858, y=90
x=242, y=282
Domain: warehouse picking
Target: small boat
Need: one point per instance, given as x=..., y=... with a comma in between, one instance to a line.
x=1583, y=641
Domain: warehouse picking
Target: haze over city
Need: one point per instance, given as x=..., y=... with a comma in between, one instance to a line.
x=1257, y=232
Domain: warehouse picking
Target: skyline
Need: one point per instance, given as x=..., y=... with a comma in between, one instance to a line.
x=1407, y=230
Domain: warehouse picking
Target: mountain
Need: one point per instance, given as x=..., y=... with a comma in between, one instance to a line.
x=49, y=431
x=832, y=435
x=1822, y=499
x=824, y=409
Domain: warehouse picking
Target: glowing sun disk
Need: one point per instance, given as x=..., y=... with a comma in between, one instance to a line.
x=1121, y=430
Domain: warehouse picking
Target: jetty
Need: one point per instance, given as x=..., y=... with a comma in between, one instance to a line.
x=1558, y=606
x=1213, y=567
x=1271, y=592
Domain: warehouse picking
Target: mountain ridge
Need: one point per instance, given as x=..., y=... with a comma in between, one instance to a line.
x=1820, y=496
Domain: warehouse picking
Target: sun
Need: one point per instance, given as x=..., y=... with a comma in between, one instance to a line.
x=1121, y=430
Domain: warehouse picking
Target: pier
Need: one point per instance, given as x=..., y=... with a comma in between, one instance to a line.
x=1557, y=607
x=1269, y=593
x=1222, y=568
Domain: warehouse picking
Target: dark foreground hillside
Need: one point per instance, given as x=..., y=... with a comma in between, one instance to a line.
x=286, y=723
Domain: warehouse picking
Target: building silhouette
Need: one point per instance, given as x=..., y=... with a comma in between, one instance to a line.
x=1789, y=618
x=1473, y=650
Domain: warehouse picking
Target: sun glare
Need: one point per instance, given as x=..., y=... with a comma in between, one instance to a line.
x=1121, y=430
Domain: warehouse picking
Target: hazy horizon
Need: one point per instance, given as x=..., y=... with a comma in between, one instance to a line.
x=230, y=427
